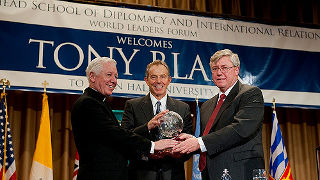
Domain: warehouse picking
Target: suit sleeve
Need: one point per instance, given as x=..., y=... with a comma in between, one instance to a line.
x=245, y=120
x=128, y=121
x=104, y=126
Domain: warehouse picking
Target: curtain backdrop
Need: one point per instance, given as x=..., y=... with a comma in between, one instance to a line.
x=300, y=130
x=300, y=127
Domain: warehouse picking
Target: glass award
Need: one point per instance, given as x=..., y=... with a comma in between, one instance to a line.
x=171, y=125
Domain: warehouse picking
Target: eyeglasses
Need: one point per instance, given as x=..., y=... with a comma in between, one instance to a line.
x=222, y=69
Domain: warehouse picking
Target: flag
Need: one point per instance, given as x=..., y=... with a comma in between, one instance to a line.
x=76, y=167
x=279, y=164
x=42, y=159
x=6, y=147
x=196, y=175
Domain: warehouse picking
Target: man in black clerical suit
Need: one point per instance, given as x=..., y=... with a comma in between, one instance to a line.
x=233, y=140
x=139, y=116
x=104, y=147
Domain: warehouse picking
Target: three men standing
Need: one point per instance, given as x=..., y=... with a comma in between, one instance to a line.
x=231, y=125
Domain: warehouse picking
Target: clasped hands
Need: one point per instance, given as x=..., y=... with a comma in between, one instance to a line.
x=176, y=147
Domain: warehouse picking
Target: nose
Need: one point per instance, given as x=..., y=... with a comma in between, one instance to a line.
x=219, y=72
x=114, y=79
x=158, y=80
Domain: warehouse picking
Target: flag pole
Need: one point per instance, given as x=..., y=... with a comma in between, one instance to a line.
x=4, y=83
x=196, y=174
x=45, y=84
x=274, y=104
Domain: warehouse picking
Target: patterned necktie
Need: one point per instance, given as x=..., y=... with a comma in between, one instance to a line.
x=202, y=160
x=158, y=104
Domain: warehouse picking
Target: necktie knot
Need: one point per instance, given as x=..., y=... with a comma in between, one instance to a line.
x=158, y=104
x=223, y=96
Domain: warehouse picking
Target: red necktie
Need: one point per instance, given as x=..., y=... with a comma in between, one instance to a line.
x=202, y=160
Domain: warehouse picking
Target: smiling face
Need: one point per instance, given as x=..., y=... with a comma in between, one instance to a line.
x=158, y=80
x=104, y=81
x=224, y=79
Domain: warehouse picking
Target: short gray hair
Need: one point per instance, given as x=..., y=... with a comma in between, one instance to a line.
x=225, y=52
x=96, y=65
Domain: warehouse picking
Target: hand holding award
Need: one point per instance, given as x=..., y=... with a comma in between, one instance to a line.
x=171, y=125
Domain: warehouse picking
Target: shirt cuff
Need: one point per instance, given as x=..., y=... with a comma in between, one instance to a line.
x=202, y=146
x=152, y=147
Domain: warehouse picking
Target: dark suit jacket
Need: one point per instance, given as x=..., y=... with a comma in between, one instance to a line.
x=138, y=112
x=234, y=141
x=102, y=144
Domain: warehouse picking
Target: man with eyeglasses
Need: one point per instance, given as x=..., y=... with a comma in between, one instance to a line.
x=141, y=116
x=231, y=124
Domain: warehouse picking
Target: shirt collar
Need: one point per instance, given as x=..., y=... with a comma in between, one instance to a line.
x=163, y=101
x=95, y=93
x=228, y=90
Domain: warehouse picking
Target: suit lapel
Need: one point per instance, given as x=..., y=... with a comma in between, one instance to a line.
x=101, y=99
x=171, y=105
x=212, y=103
x=108, y=107
x=227, y=102
x=146, y=108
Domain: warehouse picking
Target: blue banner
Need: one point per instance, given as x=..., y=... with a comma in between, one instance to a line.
x=54, y=41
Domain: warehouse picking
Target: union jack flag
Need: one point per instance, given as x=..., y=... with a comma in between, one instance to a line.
x=6, y=147
x=76, y=167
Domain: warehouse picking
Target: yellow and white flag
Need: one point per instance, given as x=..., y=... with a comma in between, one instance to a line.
x=42, y=158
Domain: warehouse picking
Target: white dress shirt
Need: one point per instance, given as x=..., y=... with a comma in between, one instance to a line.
x=163, y=106
x=163, y=101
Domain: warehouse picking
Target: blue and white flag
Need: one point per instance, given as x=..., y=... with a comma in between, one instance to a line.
x=279, y=164
x=196, y=174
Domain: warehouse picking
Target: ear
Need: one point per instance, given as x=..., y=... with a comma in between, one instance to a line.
x=146, y=80
x=92, y=77
x=169, y=79
x=237, y=70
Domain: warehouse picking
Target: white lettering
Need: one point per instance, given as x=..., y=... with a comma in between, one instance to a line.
x=126, y=61
x=56, y=56
x=41, y=45
x=154, y=55
x=175, y=67
x=198, y=61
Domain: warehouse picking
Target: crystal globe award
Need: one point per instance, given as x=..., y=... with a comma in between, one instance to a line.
x=171, y=125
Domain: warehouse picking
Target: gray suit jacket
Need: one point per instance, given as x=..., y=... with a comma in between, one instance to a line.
x=234, y=141
x=137, y=113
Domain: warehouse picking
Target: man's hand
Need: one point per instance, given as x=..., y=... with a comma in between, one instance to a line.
x=187, y=146
x=184, y=136
x=164, y=144
x=154, y=122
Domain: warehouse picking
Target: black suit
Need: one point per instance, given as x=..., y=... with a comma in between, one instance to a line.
x=234, y=141
x=138, y=112
x=103, y=146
